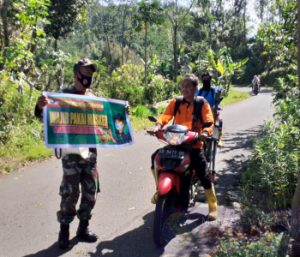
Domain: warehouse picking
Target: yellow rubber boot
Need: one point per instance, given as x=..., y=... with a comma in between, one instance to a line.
x=155, y=196
x=220, y=144
x=212, y=203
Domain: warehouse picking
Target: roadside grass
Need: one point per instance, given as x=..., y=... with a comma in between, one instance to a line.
x=26, y=142
x=269, y=244
x=235, y=96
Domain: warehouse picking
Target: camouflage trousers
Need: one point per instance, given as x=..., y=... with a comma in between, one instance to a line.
x=78, y=173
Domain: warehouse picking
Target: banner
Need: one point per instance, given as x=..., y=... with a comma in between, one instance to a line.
x=85, y=121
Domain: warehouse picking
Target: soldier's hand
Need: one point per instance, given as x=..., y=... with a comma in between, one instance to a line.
x=42, y=101
x=127, y=109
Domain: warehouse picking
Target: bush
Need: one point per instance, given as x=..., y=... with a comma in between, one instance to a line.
x=272, y=172
x=159, y=89
x=141, y=111
x=20, y=133
x=26, y=143
x=127, y=83
x=16, y=107
x=267, y=246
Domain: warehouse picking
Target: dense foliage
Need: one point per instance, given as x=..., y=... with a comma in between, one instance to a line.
x=273, y=169
x=21, y=136
x=269, y=245
x=275, y=164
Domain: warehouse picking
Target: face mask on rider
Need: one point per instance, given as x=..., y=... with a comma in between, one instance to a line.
x=206, y=84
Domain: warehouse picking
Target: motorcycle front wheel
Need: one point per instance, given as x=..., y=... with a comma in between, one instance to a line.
x=162, y=212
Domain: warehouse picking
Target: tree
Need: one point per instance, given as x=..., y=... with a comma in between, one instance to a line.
x=113, y=26
x=278, y=39
x=125, y=11
x=6, y=4
x=178, y=17
x=148, y=13
x=26, y=20
x=223, y=67
x=63, y=16
x=296, y=198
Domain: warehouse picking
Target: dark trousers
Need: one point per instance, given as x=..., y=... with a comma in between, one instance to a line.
x=199, y=164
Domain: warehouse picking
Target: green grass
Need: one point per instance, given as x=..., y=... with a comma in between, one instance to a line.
x=24, y=145
x=268, y=245
x=139, y=124
x=235, y=96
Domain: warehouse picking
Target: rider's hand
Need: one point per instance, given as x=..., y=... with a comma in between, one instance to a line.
x=157, y=127
x=203, y=136
x=155, y=130
x=42, y=101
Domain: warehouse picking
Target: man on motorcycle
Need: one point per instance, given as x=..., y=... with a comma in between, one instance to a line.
x=204, y=126
x=212, y=95
x=255, y=84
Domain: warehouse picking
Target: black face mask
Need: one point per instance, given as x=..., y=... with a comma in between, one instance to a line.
x=206, y=84
x=86, y=81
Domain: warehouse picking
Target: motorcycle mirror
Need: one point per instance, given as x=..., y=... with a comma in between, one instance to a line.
x=151, y=118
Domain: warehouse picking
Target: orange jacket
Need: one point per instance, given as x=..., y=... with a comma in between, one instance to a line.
x=184, y=117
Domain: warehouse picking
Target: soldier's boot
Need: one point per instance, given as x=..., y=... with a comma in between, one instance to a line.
x=63, y=236
x=83, y=234
x=212, y=203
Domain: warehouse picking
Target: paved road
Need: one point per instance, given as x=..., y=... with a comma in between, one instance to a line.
x=123, y=214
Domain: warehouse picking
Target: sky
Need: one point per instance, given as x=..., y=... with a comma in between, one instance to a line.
x=254, y=21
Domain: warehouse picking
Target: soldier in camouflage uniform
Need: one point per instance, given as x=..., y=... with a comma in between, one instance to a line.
x=79, y=169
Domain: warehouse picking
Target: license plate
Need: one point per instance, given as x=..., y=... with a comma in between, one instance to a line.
x=171, y=153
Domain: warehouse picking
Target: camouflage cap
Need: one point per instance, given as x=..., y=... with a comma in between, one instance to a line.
x=85, y=62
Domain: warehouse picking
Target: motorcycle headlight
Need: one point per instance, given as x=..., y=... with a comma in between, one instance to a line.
x=175, y=138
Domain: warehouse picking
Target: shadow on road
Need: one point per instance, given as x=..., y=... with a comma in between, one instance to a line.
x=139, y=242
x=265, y=91
x=242, y=140
x=53, y=250
x=229, y=177
x=134, y=243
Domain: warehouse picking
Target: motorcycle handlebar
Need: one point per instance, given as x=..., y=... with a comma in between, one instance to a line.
x=151, y=132
x=197, y=139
